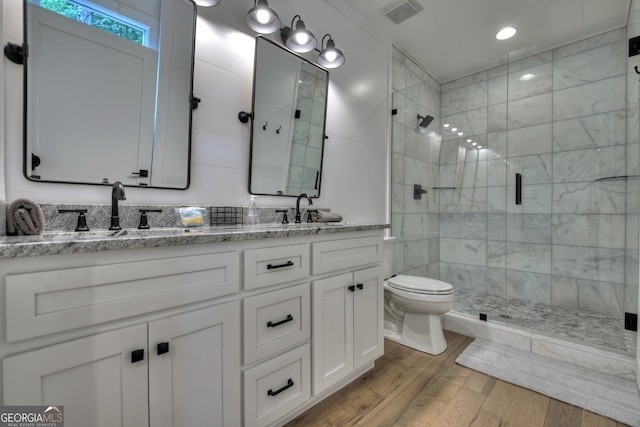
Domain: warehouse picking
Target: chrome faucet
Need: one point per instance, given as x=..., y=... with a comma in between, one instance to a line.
x=298, y=206
x=117, y=193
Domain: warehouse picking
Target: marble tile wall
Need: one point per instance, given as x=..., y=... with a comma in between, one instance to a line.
x=564, y=119
x=415, y=160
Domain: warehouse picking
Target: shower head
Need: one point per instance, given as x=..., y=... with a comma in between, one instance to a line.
x=423, y=122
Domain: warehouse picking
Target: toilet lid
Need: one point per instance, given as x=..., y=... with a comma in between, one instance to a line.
x=420, y=285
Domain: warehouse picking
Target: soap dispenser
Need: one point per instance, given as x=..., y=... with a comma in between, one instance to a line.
x=252, y=213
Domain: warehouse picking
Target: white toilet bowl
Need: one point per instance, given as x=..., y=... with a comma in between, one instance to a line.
x=414, y=306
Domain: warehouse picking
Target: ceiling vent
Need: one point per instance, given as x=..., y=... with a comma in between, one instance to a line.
x=401, y=10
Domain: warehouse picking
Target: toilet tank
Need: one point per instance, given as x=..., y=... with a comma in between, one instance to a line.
x=387, y=263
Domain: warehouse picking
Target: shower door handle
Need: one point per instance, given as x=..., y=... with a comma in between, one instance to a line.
x=518, y=189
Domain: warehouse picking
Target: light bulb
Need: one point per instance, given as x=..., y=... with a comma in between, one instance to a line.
x=331, y=55
x=302, y=38
x=262, y=16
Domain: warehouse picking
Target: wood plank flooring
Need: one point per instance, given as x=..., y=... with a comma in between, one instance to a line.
x=410, y=388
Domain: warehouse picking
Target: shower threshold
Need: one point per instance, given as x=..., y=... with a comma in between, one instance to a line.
x=580, y=326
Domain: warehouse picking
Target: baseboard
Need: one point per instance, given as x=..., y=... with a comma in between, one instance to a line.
x=589, y=357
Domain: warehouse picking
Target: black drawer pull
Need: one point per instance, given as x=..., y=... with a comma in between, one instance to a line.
x=360, y=285
x=287, y=264
x=273, y=325
x=163, y=348
x=352, y=288
x=289, y=385
x=137, y=355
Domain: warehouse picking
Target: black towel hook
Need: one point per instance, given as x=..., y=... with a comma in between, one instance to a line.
x=265, y=126
x=636, y=68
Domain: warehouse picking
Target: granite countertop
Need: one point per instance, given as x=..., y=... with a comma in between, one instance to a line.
x=56, y=243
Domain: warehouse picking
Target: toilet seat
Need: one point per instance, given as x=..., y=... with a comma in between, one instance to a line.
x=420, y=285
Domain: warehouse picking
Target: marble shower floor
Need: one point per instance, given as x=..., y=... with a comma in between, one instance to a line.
x=584, y=327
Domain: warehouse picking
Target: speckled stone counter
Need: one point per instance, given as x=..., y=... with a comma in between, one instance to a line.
x=103, y=240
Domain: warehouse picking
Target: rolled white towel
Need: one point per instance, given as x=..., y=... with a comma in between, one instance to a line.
x=325, y=216
x=24, y=217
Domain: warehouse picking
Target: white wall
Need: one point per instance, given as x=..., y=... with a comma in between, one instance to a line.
x=355, y=178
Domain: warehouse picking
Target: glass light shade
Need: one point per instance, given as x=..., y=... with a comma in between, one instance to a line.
x=207, y=3
x=301, y=40
x=262, y=19
x=331, y=57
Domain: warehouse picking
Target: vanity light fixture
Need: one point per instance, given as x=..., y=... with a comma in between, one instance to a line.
x=330, y=56
x=207, y=3
x=262, y=19
x=300, y=40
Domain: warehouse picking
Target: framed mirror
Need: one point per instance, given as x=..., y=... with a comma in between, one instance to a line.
x=108, y=91
x=288, y=127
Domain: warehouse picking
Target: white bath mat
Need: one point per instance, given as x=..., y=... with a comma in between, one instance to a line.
x=604, y=394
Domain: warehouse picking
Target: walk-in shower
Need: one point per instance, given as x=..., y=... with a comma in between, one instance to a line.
x=533, y=207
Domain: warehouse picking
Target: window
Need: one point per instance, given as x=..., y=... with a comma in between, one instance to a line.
x=98, y=17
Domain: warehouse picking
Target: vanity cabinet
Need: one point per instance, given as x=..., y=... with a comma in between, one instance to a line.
x=94, y=378
x=248, y=332
x=146, y=337
x=347, y=308
x=347, y=325
x=177, y=371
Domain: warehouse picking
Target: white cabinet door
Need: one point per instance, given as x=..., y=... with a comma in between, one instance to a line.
x=194, y=368
x=368, y=321
x=332, y=330
x=96, y=379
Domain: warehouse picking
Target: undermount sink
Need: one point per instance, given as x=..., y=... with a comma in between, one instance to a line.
x=103, y=234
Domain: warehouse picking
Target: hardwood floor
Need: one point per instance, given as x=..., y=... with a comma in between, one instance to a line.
x=410, y=388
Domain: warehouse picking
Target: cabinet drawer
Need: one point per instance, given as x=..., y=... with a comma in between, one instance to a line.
x=347, y=253
x=275, y=321
x=269, y=266
x=46, y=302
x=277, y=386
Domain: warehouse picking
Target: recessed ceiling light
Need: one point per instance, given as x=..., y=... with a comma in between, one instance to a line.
x=469, y=140
x=506, y=33
x=460, y=133
x=474, y=143
x=479, y=146
x=527, y=76
x=454, y=129
x=446, y=125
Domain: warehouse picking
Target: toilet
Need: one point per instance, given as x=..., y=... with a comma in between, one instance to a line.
x=413, y=307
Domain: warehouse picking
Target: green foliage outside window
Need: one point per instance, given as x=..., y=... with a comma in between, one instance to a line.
x=94, y=18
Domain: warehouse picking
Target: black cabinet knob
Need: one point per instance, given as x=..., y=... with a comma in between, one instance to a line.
x=137, y=355
x=163, y=348
x=352, y=288
x=360, y=285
